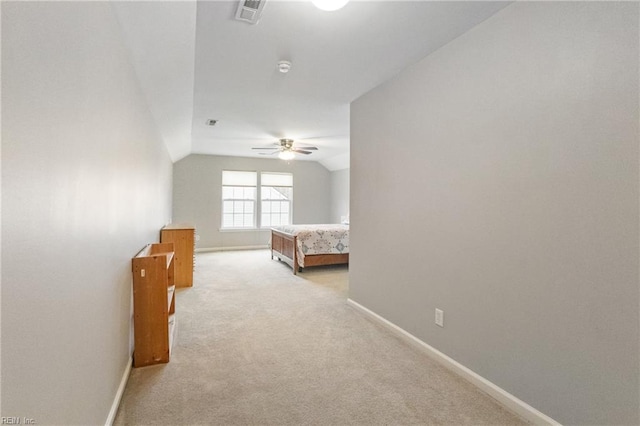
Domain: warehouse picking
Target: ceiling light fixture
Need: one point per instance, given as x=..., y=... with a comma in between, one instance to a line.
x=284, y=66
x=329, y=5
x=286, y=155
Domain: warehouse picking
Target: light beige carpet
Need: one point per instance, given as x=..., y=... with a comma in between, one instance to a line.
x=256, y=345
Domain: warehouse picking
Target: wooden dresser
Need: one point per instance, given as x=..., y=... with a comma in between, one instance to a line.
x=182, y=235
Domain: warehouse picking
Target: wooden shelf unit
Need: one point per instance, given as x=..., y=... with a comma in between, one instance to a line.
x=182, y=235
x=154, y=304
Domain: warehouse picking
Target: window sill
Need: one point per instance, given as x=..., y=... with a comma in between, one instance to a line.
x=243, y=229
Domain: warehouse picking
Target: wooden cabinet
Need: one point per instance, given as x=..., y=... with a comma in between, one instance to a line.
x=183, y=238
x=153, y=304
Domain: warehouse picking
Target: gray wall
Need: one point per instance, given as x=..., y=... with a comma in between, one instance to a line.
x=512, y=204
x=339, y=195
x=197, y=196
x=86, y=183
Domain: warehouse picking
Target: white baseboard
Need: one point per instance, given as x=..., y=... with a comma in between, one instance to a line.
x=509, y=401
x=118, y=397
x=211, y=249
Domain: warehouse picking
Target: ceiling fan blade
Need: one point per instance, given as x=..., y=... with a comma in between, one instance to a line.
x=268, y=153
x=310, y=138
x=310, y=148
x=266, y=148
x=299, y=151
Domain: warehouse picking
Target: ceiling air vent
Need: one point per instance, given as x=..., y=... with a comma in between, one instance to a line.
x=250, y=10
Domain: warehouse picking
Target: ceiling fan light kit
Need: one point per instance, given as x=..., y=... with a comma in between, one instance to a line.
x=329, y=5
x=286, y=155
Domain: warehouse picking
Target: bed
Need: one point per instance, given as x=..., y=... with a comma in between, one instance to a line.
x=302, y=246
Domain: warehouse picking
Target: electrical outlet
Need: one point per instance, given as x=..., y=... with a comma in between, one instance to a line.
x=439, y=317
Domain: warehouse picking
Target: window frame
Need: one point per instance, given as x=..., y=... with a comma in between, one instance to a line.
x=257, y=201
x=234, y=200
x=288, y=201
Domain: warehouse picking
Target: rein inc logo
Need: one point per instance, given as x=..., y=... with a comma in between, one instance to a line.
x=17, y=421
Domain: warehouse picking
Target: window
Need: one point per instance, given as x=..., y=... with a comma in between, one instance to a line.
x=276, y=191
x=239, y=199
x=240, y=209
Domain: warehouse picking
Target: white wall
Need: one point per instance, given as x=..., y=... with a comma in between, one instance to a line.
x=197, y=195
x=86, y=183
x=339, y=195
x=512, y=204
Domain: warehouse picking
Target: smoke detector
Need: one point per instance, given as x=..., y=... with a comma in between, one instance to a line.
x=284, y=66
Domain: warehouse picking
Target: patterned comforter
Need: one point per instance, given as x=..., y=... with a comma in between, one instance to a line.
x=318, y=239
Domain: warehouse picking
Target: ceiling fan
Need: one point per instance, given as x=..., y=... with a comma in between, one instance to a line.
x=286, y=150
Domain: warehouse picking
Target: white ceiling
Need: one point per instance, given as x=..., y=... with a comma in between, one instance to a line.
x=196, y=62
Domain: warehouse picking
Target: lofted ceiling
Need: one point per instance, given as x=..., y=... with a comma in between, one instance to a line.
x=196, y=62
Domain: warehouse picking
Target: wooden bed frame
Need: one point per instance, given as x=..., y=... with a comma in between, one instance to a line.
x=283, y=246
